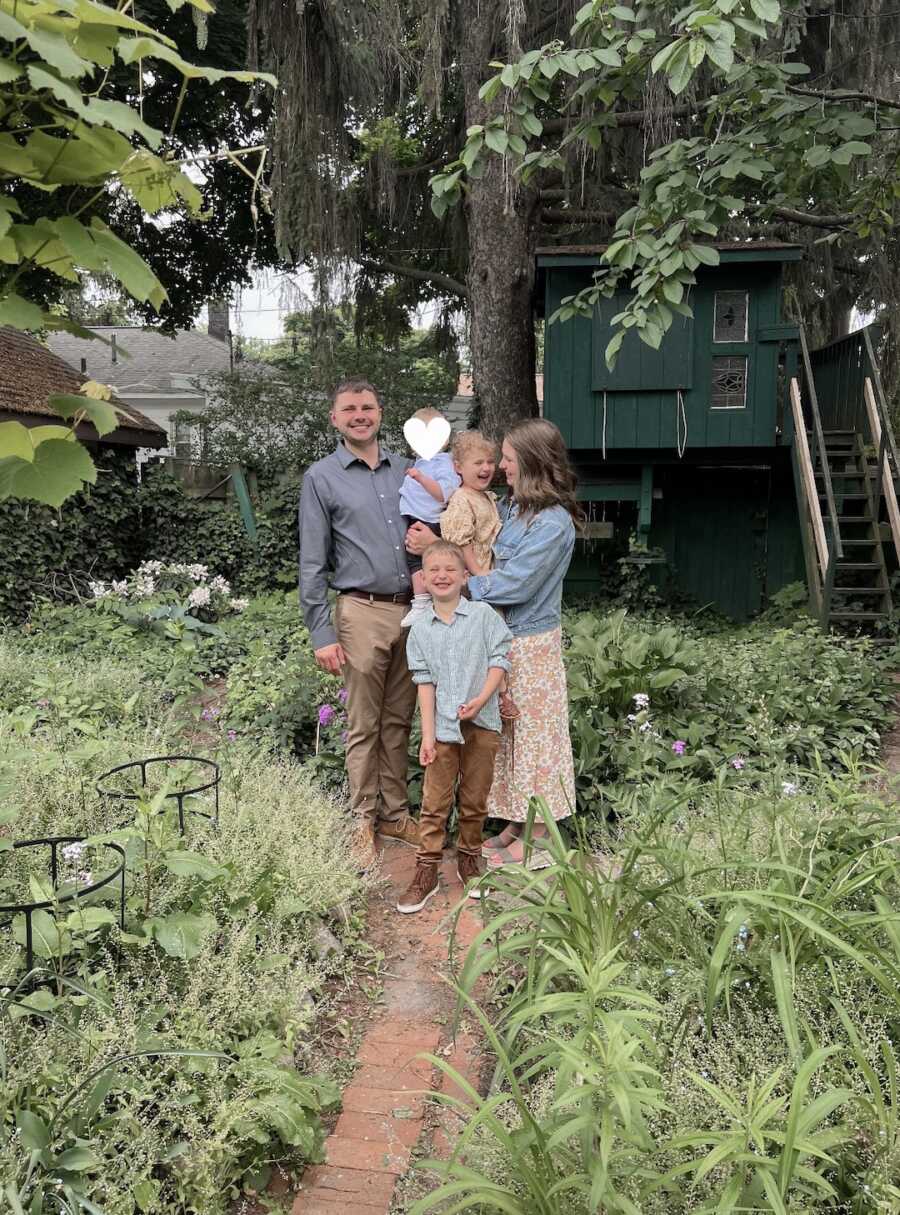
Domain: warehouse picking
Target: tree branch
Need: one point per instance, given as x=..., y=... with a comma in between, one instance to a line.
x=620, y=118
x=422, y=276
x=888, y=103
x=813, y=221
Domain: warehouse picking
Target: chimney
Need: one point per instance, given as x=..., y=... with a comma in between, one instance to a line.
x=217, y=324
x=114, y=353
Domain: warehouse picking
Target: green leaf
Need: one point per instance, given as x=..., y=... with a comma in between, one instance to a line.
x=132, y=49
x=706, y=254
x=127, y=266
x=15, y=441
x=20, y=313
x=192, y=864
x=77, y=1160
x=101, y=413
x=33, y=1131
x=766, y=10
x=496, y=139
x=60, y=468
x=56, y=50
x=88, y=919
x=817, y=156
x=181, y=935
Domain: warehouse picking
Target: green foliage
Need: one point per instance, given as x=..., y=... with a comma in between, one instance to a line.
x=665, y=700
x=187, y=1036
x=60, y=132
x=696, y=1019
x=759, y=143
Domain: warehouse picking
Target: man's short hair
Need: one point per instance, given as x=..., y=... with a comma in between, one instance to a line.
x=445, y=546
x=357, y=384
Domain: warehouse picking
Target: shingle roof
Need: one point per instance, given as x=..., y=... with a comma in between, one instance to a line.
x=30, y=373
x=144, y=357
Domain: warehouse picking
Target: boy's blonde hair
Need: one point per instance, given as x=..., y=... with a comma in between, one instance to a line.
x=445, y=546
x=468, y=441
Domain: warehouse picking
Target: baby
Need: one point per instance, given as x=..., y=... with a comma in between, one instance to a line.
x=425, y=492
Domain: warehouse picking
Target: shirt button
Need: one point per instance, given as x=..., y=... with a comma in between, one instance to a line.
x=397, y=547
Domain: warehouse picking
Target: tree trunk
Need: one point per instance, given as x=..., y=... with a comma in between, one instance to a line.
x=502, y=222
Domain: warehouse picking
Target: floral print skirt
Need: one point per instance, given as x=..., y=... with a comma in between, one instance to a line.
x=535, y=758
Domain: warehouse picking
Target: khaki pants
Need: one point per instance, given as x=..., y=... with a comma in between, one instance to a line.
x=473, y=762
x=381, y=698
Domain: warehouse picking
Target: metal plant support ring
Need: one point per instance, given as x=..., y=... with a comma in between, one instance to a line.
x=8, y=911
x=179, y=796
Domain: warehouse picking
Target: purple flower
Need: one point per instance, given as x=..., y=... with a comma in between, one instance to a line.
x=342, y=696
x=231, y=735
x=678, y=746
x=209, y=714
x=326, y=715
x=345, y=734
x=738, y=762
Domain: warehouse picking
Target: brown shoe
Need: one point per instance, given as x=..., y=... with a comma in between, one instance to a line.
x=364, y=844
x=405, y=830
x=469, y=871
x=421, y=888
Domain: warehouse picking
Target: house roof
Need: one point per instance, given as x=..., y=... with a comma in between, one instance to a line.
x=145, y=359
x=30, y=374
x=731, y=251
x=465, y=389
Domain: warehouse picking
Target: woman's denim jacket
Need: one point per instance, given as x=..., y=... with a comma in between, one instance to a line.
x=532, y=556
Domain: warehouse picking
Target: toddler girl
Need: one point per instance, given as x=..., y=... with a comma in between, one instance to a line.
x=471, y=519
x=424, y=494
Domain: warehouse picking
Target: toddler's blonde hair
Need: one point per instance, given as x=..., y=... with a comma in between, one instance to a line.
x=471, y=440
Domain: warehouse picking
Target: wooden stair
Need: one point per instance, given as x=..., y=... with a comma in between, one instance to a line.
x=861, y=594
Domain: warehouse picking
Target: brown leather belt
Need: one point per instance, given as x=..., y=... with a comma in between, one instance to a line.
x=401, y=596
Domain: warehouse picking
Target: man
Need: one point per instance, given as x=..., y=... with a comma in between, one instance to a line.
x=351, y=526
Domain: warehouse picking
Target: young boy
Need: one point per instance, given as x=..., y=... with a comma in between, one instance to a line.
x=457, y=655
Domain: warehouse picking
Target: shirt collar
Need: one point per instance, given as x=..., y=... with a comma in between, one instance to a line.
x=347, y=457
x=462, y=609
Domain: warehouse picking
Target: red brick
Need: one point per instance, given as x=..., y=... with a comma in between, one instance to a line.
x=366, y=1155
x=391, y=1054
x=413, y=1075
x=353, y=1184
x=318, y=1202
x=419, y=1037
x=359, y=1099
x=379, y=1127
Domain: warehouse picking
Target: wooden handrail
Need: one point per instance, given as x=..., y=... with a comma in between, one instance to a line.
x=820, y=441
x=808, y=478
x=887, y=476
x=879, y=401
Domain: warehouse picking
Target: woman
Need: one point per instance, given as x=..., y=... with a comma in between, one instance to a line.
x=532, y=555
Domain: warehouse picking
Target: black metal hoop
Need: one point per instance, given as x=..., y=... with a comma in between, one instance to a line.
x=179, y=797
x=54, y=842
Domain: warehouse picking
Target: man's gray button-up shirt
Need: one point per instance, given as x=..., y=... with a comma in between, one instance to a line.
x=351, y=529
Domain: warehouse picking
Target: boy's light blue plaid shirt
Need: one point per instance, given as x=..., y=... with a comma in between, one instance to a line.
x=455, y=657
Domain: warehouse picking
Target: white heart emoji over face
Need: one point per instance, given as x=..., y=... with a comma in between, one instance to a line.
x=426, y=438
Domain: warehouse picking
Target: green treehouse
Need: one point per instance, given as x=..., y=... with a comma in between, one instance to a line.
x=740, y=458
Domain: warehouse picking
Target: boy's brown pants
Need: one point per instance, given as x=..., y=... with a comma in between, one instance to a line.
x=473, y=762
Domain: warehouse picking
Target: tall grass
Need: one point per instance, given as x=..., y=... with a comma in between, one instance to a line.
x=707, y=1022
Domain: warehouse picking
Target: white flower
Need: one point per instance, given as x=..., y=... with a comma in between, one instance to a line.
x=85, y=877
x=199, y=596
x=144, y=586
x=645, y=727
x=238, y=605
x=198, y=572
x=150, y=567
x=220, y=584
x=120, y=588
x=642, y=700
x=99, y=590
x=72, y=852
x=789, y=789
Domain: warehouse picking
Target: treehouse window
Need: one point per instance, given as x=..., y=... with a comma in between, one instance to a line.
x=730, y=324
x=729, y=382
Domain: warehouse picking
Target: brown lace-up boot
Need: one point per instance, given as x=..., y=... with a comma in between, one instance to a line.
x=364, y=844
x=421, y=888
x=469, y=870
x=405, y=830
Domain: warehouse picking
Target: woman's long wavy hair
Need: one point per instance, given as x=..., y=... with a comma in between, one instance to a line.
x=546, y=477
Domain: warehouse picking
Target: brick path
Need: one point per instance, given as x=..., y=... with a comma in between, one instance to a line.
x=382, y=1114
